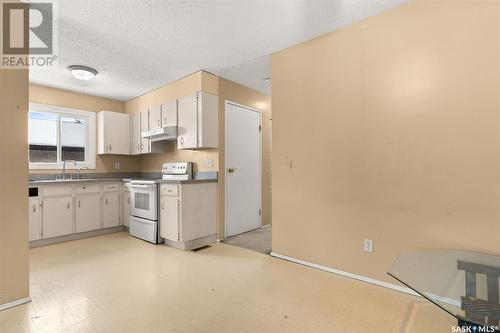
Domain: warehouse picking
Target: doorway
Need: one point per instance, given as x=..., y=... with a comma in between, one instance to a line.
x=243, y=175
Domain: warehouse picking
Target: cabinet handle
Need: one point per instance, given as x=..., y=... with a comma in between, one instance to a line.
x=34, y=208
x=78, y=203
x=67, y=205
x=109, y=147
x=163, y=206
x=159, y=122
x=181, y=140
x=138, y=147
x=106, y=201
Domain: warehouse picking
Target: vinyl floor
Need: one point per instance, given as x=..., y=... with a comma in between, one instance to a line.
x=116, y=283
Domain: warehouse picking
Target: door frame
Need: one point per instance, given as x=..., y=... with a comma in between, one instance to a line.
x=226, y=103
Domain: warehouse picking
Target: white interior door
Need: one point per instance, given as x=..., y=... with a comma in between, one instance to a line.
x=243, y=169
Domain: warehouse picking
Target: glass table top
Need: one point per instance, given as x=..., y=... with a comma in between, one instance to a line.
x=464, y=284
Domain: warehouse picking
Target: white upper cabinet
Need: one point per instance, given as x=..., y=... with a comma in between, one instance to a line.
x=198, y=121
x=187, y=127
x=144, y=121
x=135, y=133
x=145, y=144
x=169, y=114
x=155, y=121
x=113, y=130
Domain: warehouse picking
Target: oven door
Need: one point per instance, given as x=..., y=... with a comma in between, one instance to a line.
x=144, y=201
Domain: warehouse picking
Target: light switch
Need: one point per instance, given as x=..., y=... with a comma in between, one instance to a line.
x=210, y=162
x=117, y=165
x=368, y=245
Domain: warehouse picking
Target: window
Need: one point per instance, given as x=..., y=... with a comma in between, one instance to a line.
x=58, y=134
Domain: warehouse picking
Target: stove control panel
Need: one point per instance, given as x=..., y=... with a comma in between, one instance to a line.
x=178, y=168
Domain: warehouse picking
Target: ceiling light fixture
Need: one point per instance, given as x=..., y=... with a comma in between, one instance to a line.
x=83, y=73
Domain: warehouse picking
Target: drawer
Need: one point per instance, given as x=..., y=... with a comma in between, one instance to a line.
x=169, y=189
x=87, y=188
x=57, y=190
x=111, y=187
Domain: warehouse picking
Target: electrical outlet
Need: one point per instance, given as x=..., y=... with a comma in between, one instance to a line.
x=368, y=245
x=117, y=165
x=210, y=163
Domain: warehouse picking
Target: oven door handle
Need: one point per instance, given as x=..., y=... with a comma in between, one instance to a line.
x=142, y=186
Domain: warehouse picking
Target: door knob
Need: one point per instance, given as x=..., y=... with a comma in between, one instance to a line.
x=232, y=170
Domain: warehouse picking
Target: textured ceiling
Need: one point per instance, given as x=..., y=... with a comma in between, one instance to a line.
x=138, y=46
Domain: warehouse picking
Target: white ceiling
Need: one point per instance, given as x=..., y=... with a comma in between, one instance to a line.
x=137, y=46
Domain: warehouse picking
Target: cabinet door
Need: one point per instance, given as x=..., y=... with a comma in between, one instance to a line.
x=155, y=118
x=144, y=128
x=187, y=136
x=126, y=208
x=34, y=218
x=135, y=134
x=169, y=218
x=110, y=209
x=144, y=121
x=117, y=132
x=145, y=146
x=208, y=119
x=87, y=212
x=169, y=113
x=57, y=216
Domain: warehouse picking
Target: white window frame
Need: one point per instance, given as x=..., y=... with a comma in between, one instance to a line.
x=90, y=143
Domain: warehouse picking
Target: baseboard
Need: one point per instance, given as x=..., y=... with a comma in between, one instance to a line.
x=364, y=279
x=16, y=302
x=76, y=236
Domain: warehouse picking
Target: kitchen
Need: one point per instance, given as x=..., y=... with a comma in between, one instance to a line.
x=176, y=203
x=250, y=166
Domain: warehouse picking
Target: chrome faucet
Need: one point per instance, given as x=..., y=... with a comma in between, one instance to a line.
x=80, y=170
x=64, y=167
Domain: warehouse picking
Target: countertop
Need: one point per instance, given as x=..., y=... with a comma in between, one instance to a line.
x=72, y=181
x=169, y=181
x=198, y=177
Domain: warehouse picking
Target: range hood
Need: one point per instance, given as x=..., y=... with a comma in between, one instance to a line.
x=161, y=134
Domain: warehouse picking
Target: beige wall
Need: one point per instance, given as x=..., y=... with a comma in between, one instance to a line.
x=389, y=130
x=63, y=98
x=227, y=90
x=14, y=179
x=234, y=92
x=199, y=81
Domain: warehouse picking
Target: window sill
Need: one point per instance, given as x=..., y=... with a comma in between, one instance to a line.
x=58, y=166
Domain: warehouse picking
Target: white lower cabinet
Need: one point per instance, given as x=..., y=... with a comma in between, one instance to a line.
x=110, y=206
x=35, y=219
x=57, y=216
x=188, y=214
x=169, y=218
x=65, y=209
x=87, y=212
x=126, y=208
